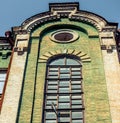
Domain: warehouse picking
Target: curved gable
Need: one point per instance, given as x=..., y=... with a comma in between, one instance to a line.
x=65, y=10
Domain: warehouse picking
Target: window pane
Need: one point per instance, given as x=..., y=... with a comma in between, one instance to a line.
x=64, y=83
x=2, y=81
x=64, y=98
x=64, y=120
x=64, y=76
x=53, y=77
x=77, y=115
x=53, y=73
x=76, y=73
x=49, y=102
x=1, y=87
x=58, y=62
x=73, y=76
x=64, y=105
x=2, y=76
x=77, y=106
x=50, y=115
x=64, y=90
x=76, y=86
x=52, y=97
x=76, y=68
x=76, y=82
x=52, y=82
x=64, y=70
x=76, y=97
x=72, y=62
x=77, y=102
x=76, y=91
x=52, y=87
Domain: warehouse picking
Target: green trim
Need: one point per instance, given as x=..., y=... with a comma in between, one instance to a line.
x=29, y=83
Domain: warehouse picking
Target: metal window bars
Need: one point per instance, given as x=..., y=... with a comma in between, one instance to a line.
x=63, y=101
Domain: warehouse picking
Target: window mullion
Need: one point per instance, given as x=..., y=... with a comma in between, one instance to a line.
x=63, y=82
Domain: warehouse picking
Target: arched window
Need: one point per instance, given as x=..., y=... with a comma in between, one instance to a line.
x=63, y=95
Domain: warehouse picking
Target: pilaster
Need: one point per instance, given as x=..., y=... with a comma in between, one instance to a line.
x=14, y=84
x=112, y=73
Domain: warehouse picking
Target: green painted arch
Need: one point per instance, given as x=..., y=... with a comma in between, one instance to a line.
x=86, y=28
x=64, y=26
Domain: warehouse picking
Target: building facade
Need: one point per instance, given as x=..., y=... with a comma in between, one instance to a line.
x=61, y=66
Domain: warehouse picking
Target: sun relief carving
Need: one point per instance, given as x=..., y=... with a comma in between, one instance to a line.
x=83, y=56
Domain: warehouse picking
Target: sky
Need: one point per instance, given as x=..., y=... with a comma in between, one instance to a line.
x=14, y=12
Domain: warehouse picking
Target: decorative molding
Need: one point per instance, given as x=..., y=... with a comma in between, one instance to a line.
x=108, y=30
x=63, y=36
x=68, y=6
x=85, y=18
x=108, y=48
x=5, y=47
x=41, y=21
x=65, y=10
x=20, y=50
x=5, y=55
x=48, y=13
x=83, y=56
x=20, y=32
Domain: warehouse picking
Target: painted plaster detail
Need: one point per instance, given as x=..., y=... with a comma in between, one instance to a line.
x=83, y=56
x=21, y=44
x=108, y=42
x=66, y=36
x=70, y=11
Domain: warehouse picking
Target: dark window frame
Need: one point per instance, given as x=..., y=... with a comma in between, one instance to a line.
x=76, y=101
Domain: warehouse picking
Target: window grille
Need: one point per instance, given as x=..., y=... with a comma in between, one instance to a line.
x=63, y=96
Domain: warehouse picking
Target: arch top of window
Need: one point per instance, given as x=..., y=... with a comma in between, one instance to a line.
x=64, y=60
